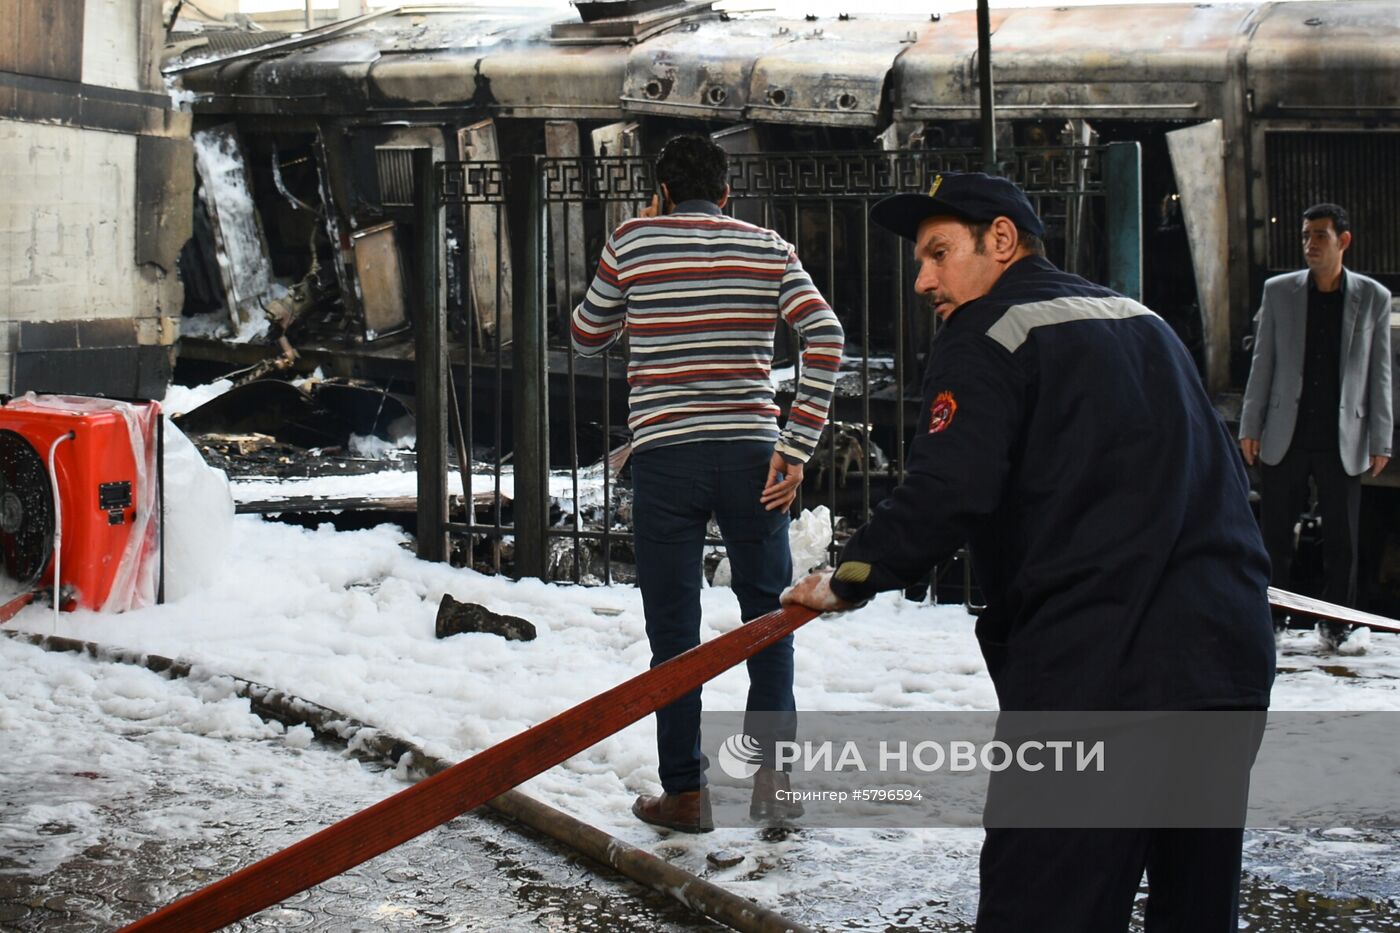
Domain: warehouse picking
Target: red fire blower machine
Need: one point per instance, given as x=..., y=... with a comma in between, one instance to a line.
x=80, y=504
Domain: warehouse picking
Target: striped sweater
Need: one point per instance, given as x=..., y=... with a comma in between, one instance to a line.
x=699, y=295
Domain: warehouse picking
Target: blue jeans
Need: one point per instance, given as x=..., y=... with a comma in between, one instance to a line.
x=676, y=489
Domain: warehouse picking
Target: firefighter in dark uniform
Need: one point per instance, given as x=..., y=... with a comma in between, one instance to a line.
x=1068, y=441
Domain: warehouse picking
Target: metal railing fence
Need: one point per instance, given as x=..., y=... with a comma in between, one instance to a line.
x=537, y=422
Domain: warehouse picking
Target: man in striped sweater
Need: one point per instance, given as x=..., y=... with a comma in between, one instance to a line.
x=700, y=296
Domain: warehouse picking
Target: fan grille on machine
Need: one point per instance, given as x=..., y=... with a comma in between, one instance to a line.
x=26, y=513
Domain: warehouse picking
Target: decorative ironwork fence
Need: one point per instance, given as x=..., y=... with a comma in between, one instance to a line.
x=537, y=423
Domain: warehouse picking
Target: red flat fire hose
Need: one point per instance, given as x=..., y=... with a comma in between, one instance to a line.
x=8, y=609
x=485, y=776
x=466, y=785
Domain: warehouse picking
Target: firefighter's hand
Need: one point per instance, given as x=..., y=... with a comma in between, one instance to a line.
x=814, y=592
x=653, y=209
x=1249, y=446
x=1377, y=464
x=783, y=481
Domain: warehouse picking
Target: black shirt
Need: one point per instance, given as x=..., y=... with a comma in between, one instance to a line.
x=1322, y=375
x=1066, y=437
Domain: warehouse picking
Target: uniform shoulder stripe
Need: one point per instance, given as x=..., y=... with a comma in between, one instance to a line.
x=1013, y=327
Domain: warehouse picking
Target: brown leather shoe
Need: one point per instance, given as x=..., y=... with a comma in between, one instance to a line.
x=688, y=812
x=771, y=800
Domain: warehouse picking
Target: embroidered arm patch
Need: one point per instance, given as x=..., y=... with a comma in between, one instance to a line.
x=942, y=411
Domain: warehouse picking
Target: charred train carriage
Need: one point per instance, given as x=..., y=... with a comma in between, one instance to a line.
x=359, y=180
x=1244, y=114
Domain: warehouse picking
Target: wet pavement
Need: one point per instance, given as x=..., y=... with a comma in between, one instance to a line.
x=475, y=873
x=108, y=810
x=107, y=814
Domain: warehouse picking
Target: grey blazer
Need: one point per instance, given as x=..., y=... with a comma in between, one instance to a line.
x=1364, y=423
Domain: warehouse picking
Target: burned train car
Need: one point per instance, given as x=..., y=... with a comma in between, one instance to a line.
x=1244, y=114
x=1171, y=149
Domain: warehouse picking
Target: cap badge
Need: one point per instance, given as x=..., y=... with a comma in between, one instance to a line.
x=933, y=188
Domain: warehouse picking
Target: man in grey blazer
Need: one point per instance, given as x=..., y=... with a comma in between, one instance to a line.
x=1318, y=400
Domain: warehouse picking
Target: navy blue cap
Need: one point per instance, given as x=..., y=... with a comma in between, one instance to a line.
x=970, y=196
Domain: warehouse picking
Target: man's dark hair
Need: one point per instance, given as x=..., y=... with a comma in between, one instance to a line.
x=1333, y=212
x=693, y=168
x=1032, y=243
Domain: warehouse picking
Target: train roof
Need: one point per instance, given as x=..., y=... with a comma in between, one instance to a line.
x=1158, y=62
